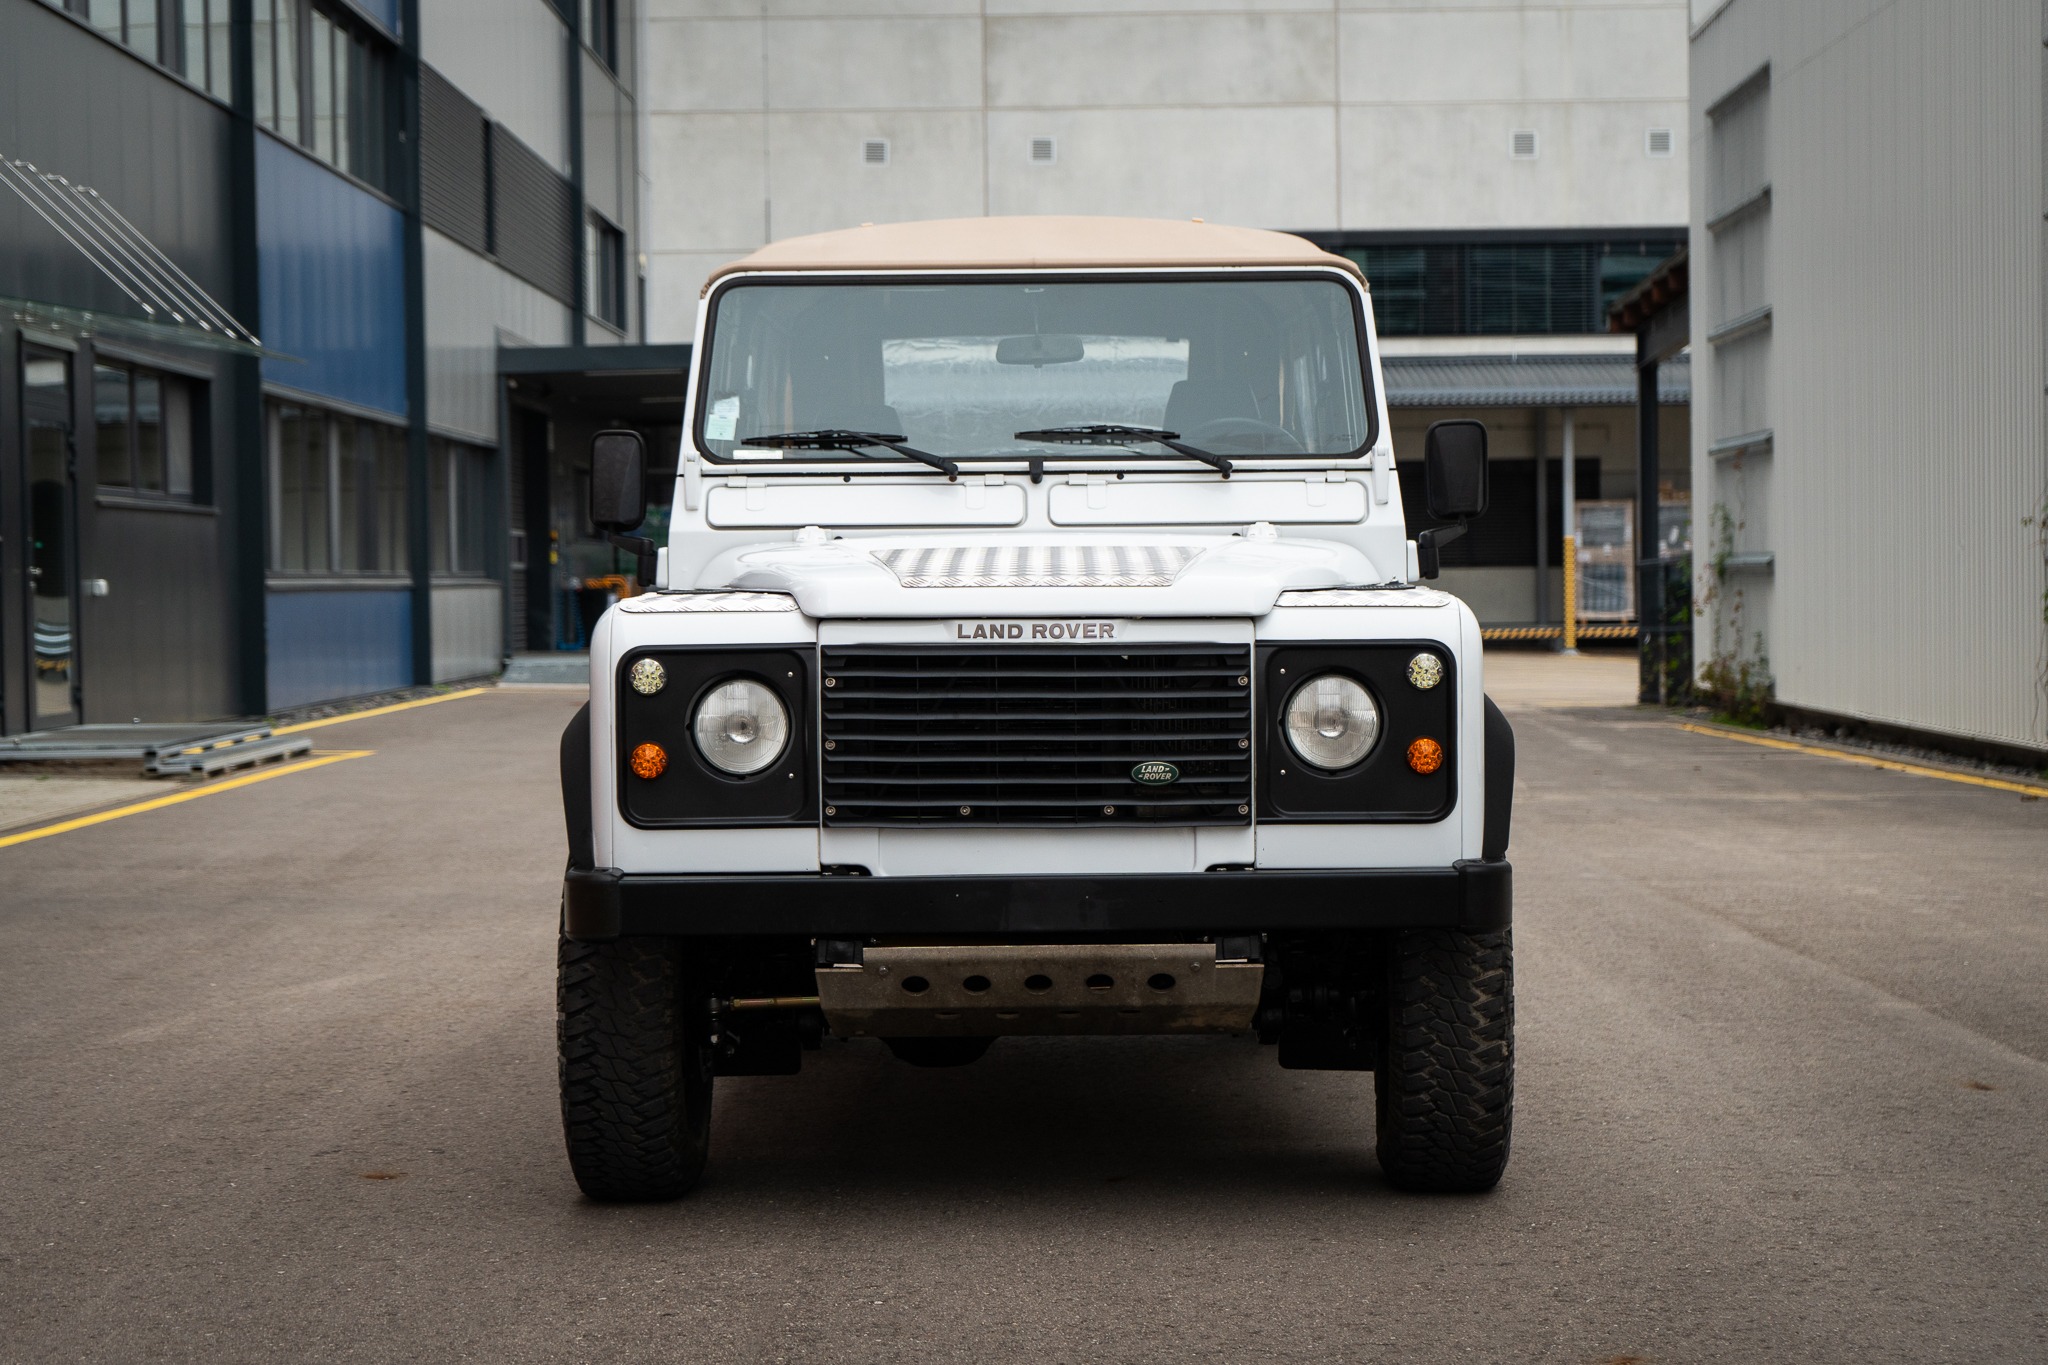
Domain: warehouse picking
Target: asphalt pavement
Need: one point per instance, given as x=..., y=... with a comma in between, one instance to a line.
x=278, y=1085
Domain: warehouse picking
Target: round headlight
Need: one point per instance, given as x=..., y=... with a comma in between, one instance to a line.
x=741, y=727
x=1331, y=721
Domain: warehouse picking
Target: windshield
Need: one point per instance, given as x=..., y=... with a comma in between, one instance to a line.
x=1243, y=368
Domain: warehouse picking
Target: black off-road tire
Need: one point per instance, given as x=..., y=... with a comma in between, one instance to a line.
x=635, y=1069
x=1446, y=1082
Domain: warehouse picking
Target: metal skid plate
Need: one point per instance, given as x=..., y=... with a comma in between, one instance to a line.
x=988, y=990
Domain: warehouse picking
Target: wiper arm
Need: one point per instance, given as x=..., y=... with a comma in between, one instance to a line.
x=1114, y=434
x=833, y=438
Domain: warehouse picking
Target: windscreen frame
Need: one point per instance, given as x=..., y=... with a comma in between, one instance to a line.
x=842, y=463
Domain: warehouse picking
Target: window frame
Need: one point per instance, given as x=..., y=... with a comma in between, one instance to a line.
x=351, y=445
x=198, y=435
x=1355, y=295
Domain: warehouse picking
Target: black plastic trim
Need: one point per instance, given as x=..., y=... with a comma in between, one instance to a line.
x=603, y=903
x=1380, y=666
x=1500, y=783
x=576, y=789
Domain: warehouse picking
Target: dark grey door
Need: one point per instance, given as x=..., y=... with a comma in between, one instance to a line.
x=52, y=539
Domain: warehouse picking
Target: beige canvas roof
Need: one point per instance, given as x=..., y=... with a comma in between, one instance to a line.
x=1036, y=244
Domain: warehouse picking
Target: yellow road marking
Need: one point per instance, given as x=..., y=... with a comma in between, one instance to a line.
x=158, y=803
x=377, y=711
x=2029, y=788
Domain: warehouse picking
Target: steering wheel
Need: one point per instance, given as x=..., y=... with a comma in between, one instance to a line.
x=1244, y=436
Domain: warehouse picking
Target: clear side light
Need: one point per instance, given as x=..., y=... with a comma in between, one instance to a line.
x=741, y=727
x=1331, y=721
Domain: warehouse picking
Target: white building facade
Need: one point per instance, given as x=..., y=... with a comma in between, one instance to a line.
x=1501, y=171
x=1870, y=455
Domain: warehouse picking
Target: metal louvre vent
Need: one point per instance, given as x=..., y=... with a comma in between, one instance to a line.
x=1037, y=736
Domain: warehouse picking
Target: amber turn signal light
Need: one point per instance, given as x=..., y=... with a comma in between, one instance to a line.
x=649, y=761
x=1424, y=755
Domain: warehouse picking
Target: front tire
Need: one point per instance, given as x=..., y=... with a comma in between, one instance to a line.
x=1445, y=1086
x=635, y=1069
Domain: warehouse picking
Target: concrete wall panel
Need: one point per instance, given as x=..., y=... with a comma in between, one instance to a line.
x=1177, y=59
x=697, y=64
x=710, y=190
x=1266, y=167
x=923, y=63
x=1440, y=166
x=818, y=181
x=1549, y=52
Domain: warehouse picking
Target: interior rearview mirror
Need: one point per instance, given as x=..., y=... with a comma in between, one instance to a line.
x=1454, y=469
x=618, y=480
x=1039, y=350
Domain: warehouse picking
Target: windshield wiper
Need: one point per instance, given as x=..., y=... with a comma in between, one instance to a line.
x=1114, y=434
x=832, y=438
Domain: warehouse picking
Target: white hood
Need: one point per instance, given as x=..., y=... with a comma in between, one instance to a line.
x=1099, y=574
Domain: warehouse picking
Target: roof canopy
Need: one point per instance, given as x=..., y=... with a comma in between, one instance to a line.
x=1527, y=381
x=1041, y=243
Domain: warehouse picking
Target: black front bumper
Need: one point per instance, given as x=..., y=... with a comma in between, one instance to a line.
x=600, y=903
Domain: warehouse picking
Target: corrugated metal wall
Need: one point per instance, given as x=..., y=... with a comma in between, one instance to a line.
x=1902, y=372
x=332, y=258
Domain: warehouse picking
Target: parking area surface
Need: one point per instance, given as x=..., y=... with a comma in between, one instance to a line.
x=279, y=1086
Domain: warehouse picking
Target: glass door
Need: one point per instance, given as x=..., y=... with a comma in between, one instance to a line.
x=52, y=542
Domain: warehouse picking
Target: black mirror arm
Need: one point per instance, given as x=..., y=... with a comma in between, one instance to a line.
x=1427, y=543
x=643, y=551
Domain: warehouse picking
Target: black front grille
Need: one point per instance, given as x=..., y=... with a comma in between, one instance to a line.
x=1049, y=736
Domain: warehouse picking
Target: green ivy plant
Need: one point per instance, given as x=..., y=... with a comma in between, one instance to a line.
x=1736, y=682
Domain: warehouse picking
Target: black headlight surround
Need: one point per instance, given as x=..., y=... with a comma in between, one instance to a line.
x=693, y=793
x=1380, y=788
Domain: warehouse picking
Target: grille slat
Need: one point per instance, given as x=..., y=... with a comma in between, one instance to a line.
x=1036, y=735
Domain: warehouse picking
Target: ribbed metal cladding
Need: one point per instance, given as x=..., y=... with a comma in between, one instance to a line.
x=534, y=219
x=1036, y=736
x=453, y=162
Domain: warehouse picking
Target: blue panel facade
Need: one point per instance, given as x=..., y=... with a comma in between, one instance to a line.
x=325, y=645
x=332, y=261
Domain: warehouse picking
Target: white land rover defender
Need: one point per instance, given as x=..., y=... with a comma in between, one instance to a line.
x=1039, y=648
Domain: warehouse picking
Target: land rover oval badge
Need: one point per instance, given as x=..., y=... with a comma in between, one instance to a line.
x=1155, y=774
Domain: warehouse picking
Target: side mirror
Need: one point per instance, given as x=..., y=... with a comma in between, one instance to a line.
x=618, y=495
x=1454, y=482
x=1454, y=469
x=618, y=480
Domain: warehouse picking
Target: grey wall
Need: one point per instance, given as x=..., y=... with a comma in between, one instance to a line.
x=1306, y=114
x=162, y=644
x=473, y=307
x=1901, y=376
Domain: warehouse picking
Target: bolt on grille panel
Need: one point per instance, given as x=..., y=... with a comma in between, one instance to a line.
x=919, y=737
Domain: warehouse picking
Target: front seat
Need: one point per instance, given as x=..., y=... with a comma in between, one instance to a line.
x=1196, y=401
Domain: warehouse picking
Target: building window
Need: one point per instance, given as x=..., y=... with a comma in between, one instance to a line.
x=337, y=493
x=459, y=477
x=144, y=431
x=601, y=30
x=189, y=37
x=203, y=46
x=605, y=262
x=1444, y=287
x=323, y=82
